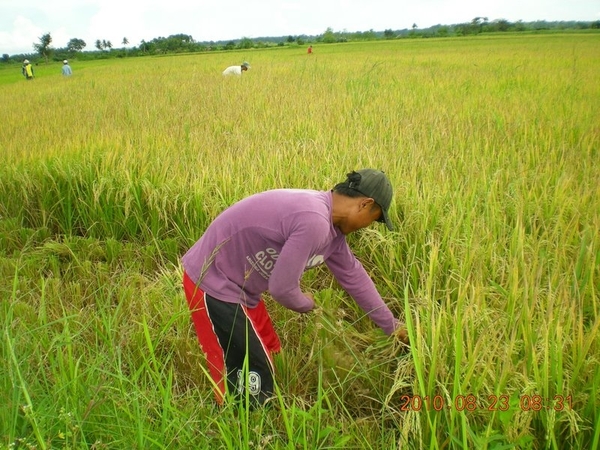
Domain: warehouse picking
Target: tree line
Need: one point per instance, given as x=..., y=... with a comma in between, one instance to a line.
x=184, y=43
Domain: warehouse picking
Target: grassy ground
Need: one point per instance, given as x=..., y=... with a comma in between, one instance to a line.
x=492, y=146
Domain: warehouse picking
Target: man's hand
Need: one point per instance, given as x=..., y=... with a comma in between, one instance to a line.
x=401, y=335
x=311, y=297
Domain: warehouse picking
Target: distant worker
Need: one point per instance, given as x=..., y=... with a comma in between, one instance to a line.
x=66, y=69
x=310, y=49
x=237, y=70
x=27, y=70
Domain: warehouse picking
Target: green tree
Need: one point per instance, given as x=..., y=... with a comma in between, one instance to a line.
x=443, y=31
x=173, y=43
x=145, y=47
x=75, y=45
x=329, y=36
x=413, y=32
x=5, y=57
x=519, y=26
x=125, y=41
x=246, y=43
x=389, y=34
x=500, y=25
x=99, y=44
x=477, y=24
x=369, y=35
x=43, y=47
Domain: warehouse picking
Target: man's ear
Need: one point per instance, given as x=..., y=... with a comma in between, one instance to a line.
x=366, y=202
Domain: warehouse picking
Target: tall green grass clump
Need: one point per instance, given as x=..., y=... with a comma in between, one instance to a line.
x=491, y=144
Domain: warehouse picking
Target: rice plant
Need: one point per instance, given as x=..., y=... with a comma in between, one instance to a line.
x=491, y=144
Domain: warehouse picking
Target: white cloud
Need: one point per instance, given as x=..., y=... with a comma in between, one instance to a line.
x=22, y=36
x=113, y=23
x=23, y=22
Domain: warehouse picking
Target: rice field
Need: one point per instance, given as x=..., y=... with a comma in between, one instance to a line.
x=492, y=145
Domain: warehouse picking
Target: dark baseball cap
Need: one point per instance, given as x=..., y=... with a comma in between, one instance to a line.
x=373, y=184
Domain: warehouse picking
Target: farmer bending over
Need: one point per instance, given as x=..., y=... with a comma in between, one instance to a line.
x=264, y=243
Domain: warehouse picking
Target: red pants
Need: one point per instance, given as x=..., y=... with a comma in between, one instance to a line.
x=238, y=343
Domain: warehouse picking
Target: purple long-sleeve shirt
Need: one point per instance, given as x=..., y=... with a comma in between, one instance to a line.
x=265, y=243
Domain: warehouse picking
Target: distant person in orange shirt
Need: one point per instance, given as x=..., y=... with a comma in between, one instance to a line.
x=310, y=49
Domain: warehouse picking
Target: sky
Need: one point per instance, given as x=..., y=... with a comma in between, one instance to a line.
x=22, y=22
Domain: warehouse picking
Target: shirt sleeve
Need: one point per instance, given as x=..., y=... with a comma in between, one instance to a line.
x=353, y=277
x=284, y=282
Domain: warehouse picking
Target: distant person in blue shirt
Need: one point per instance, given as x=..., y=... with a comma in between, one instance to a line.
x=66, y=69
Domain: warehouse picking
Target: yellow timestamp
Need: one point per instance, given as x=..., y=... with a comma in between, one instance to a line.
x=470, y=402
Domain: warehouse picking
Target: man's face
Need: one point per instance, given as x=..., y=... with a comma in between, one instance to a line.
x=365, y=212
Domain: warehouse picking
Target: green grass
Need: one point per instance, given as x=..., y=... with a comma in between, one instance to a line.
x=491, y=144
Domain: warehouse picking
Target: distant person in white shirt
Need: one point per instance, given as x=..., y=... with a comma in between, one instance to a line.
x=66, y=69
x=236, y=70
